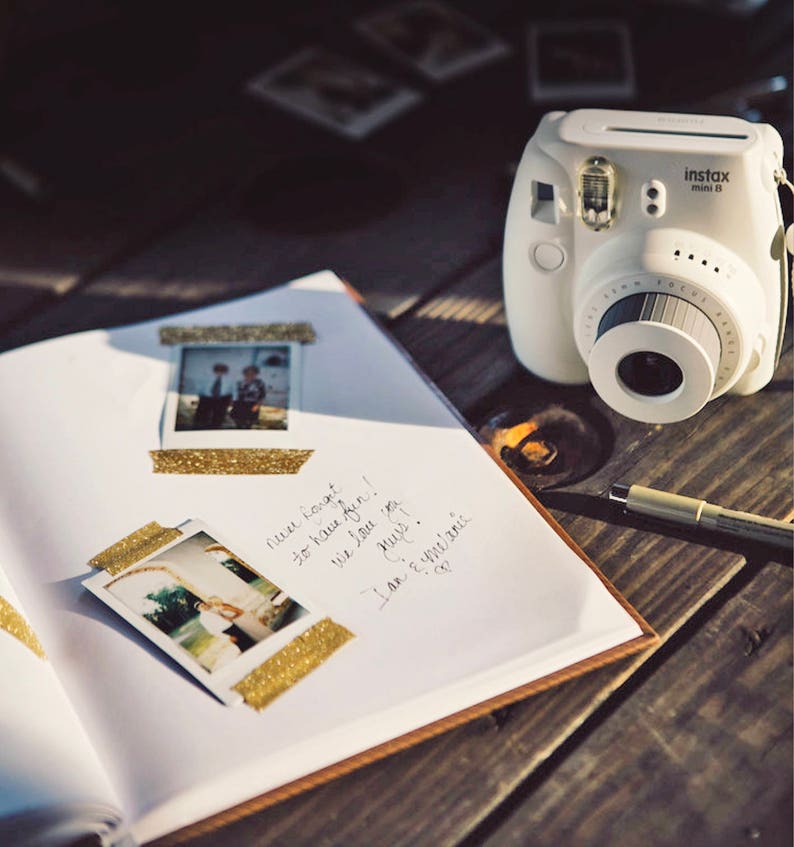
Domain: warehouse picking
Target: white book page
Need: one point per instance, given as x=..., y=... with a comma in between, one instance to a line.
x=400, y=527
x=50, y=777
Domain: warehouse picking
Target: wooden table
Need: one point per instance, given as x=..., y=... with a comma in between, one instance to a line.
x=173, y=190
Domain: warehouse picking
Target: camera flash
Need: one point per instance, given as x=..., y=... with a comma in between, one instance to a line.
x=597, y=193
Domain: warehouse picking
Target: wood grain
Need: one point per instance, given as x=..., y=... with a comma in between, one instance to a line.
x=227, y=209
x=699, y=754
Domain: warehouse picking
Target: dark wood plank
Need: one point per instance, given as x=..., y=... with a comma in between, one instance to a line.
x=458, y=337
x=699, y=754
x=49, y=248
x=119, y=147
x=225, y=253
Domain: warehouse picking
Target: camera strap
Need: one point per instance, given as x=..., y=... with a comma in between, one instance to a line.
x=781, y=178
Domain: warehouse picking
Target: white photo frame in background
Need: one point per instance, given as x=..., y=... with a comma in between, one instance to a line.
x=433, y=38
x=586, y=61
x=333, y=91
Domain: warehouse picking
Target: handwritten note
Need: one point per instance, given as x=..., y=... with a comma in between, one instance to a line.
x=349, y=524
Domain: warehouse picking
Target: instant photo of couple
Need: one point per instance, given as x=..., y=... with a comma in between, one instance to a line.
x=242, y=387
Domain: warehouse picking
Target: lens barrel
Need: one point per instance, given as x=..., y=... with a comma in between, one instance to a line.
x=655, y=357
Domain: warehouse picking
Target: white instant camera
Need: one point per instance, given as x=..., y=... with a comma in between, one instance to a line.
x=645, y=251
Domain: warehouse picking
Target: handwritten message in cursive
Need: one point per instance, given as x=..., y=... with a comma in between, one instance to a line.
x=355, y=522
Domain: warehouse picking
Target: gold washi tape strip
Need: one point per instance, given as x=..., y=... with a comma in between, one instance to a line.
x=229, y=461
x=14, y=624
x=136, y=546
x=301, y=331
x=293, y=662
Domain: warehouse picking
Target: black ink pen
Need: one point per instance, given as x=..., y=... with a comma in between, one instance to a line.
x=689, y=511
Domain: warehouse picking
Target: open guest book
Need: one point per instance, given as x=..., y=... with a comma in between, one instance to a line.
x=247, y=549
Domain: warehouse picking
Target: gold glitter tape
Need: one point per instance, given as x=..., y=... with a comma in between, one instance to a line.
x=229, y=461
x=14, y=624
x=302, y=332
x=293, y=662
x=136, y=546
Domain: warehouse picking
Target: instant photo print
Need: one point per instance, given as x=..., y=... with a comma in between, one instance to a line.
x=587, y=61
x=433, y=38
x=204, y=606
x=333, y=91
x=227, y=395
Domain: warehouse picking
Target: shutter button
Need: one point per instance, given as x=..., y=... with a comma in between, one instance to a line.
x=548, y=257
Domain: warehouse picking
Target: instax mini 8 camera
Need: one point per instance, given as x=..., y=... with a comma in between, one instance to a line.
x=645, y=252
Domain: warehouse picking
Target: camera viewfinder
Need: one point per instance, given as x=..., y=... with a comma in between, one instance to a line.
x=597, y=193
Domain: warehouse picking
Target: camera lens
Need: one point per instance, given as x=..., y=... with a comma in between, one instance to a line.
x=649, y=373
